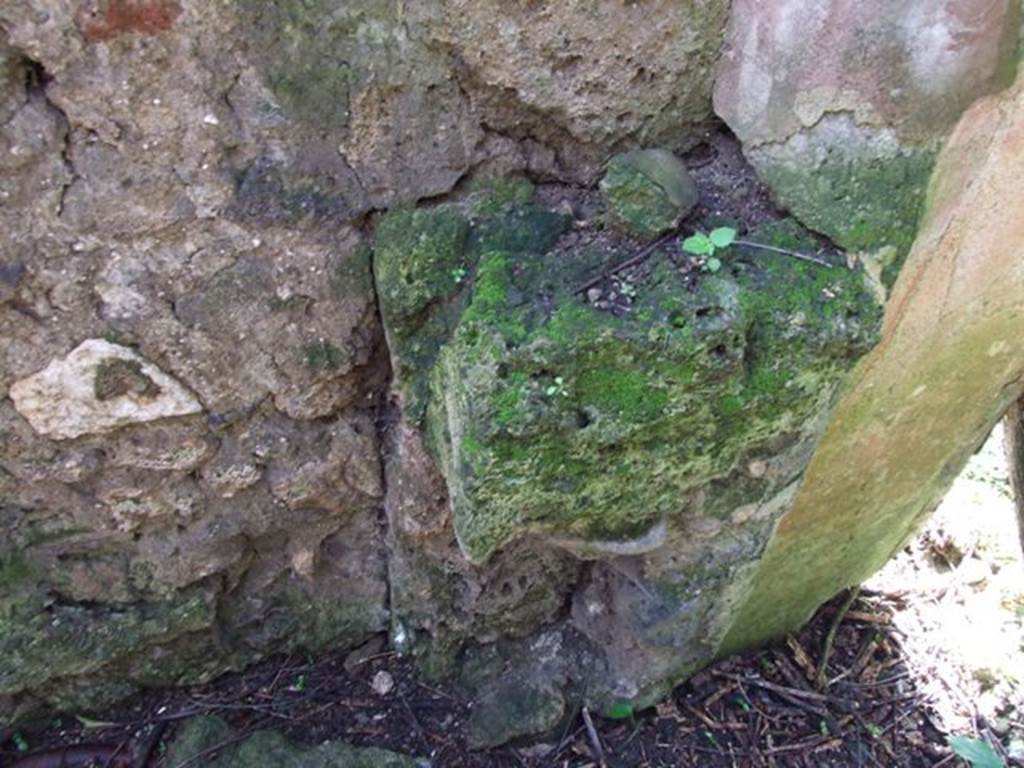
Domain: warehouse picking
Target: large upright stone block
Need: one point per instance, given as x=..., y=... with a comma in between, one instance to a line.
x=950, y=362
x=842, y=107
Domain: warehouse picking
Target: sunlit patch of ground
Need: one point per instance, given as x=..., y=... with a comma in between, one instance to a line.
x=960, y=585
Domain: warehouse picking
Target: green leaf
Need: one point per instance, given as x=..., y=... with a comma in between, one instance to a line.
x=619, y=711
x=722, y=237
x=975, y=751
x=699, y=244
x=713, y=264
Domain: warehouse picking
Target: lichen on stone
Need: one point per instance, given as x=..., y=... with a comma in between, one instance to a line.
x=546, y=414
x=423, y=265
x=116, y=376
x=647, y=192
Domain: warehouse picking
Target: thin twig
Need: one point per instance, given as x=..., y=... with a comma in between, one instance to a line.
x=415, y=722
x=595, y=740
x=784, y=252
x=640, y=256
x=830, y=638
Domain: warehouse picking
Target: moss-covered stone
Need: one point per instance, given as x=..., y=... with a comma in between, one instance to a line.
x=648, y=191
x=863, y=202
x=924, y=399
x=424, y=261
x=200, y=737
x=549, y=415
x=308, y=47
x=40, y=644
x=511, y=709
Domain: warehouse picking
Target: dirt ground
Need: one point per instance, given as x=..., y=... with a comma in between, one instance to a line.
x=931, y=647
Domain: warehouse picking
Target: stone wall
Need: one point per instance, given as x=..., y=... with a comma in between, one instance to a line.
x=293, y=352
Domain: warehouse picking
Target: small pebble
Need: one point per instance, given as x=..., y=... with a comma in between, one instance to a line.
x=593, y=295
x=383, y=683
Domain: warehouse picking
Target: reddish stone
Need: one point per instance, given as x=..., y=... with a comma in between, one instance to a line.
x=123, y=17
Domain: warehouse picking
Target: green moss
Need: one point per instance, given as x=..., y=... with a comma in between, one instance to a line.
x=209, y=741
x=493, y=195
x=67, y=641
x=587, y=425
x=647, y=191
x=15, y=572
x=308, y=49
x=417, y=251
x=518, y=230
x=418, y=257
x=117, y=376
x=621, y=391
x=324, y=356
x=861, y=204
x=424, y=261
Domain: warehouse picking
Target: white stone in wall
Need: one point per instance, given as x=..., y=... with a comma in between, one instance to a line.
x=60, y=401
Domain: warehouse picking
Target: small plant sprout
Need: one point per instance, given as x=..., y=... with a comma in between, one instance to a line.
x=20, y=742
x=705, y=246
x=628, y=290
x=620, y=710
x=458, y=274
x=557, y=387
x=741, y=702
x=299, y=685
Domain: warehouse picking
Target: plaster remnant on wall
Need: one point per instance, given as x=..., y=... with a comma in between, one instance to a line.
x=65, y=399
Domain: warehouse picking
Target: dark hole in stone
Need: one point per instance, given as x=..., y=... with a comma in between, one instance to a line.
x=582, y=418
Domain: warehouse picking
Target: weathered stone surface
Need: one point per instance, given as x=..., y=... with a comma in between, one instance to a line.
x=514, y=708
x=265, y=748
x=591, y=427
x=656, y=449
x=841, y=108
x=199, y=185
x=599, y=72
x=648, y=191
x=950, y=361
x=98, y=387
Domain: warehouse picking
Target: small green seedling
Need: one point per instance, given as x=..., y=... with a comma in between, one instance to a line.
x=741, y=702
x=458, y=274
x=975, y=751
x=823, y=727
x=874, y=730
x=707, y=245
x=619, y=711
x=299, y=685
x=20, y=742
x=556, y=388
